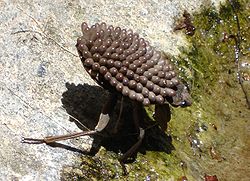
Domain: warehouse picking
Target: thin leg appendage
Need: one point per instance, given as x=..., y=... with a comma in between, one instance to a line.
x=52, y=139
x=102, y=123
x=137, y=115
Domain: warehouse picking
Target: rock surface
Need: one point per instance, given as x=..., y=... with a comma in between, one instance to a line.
x=38, y=57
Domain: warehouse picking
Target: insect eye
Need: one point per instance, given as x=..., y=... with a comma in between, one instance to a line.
x=183, y=104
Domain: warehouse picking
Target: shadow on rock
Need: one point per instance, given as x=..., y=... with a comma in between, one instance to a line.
x=84, y=102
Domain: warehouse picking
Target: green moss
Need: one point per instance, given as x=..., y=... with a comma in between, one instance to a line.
x=216, y=123
x=211, y=136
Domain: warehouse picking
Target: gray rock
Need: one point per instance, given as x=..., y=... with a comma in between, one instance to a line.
x=37, y=59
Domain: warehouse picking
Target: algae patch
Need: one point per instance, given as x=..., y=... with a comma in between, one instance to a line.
x=212, y=135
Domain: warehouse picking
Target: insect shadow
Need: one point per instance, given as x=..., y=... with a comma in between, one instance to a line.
x=84, y=102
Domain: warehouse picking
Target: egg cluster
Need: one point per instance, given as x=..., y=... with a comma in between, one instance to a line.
x=121, y=59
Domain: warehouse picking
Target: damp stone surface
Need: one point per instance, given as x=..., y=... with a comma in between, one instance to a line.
x=37, y=59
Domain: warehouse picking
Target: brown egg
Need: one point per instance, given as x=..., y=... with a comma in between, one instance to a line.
x=153, y=71
x=167, y=92
x=86, y=54
x=148, y=74
x=94, y=49
x=151, y=96
x=125, y=81
x=115, y=56
x=139, y=97
x=132, y=67
x=123, y=70
x=103, y=70
x=96, y=66
x=119, y=50
x=122, y=57
x=161, y=74
x=132, y=84
x=132, y=95
x=159, y=67
x=96, y=57
x=110, y=63
x=117, y=64
x=119, y=77
x=139, y=71
x=145, y=66
x=119, y=87
x=170, y=84
x=107, y=42
x=145, y=92
x=102, y=49
x=108, y=76
x=156, y=89
x=103, y=61
x=146, y=102
x=150, y=63
x=136, y=77
x=143, y=80
x=113, y=82
x=126, y=63
x=175, y=81
x=155, y=79
x=130, y=74
x=125, y=91
x=163, y=83
x=113, y=71
x=139, y=87
x=98, y=42
x=159, y=99
x=82, y=47
x=150, y=85
x=107, y=55
x=88, y=62
x=166, y=68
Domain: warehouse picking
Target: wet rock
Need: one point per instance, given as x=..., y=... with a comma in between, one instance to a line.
x=37, y=59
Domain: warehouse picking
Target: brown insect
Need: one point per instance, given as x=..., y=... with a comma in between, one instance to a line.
x=186, y=23
x=128, y=67
x=210, y=177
